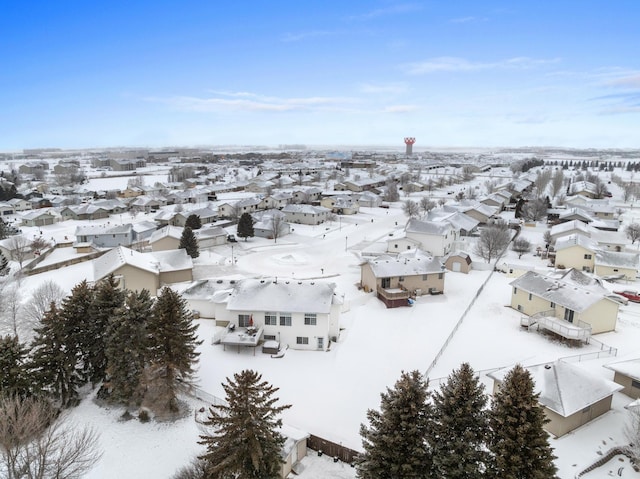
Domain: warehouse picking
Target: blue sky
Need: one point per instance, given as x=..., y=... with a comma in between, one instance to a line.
x=463, y=73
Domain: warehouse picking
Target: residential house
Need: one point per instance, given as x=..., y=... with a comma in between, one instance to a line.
x=614, y=264
x=20, y=204
x=276, y=201
x=478, y=211
x=570, y=304
x=131, y=192
x=305, y=214
x=396, y=279
x=576, y=251
x=436, y=237
x=147, y=204
x=571, y=396
x=210, y=236
x=236, y=209
x=165, y=238
x=105, y=236
x=41, y=217
x=306, y=195
x=137, y=271
x=207, y=215
x=85, y=211
x=298, y=314
x=627, y=374
x=342, y=205
x=369, y=199
x=6, y=209
x=584, y=188
x=265, y=222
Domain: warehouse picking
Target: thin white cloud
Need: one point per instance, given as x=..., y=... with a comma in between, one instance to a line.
x=392, y=10
x=388, y=89
x=626, y=82
x=400, y=109
x=295, y=37
x=455, y=64
x=246, y=101
x=468, y=20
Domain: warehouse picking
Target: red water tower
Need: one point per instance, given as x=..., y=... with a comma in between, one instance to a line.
x=409, y=141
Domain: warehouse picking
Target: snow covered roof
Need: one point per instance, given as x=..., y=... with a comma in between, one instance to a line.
x=613, y=258
x=573, y=290
x=166, y=231
x=388, y=266
x=565, y=388
x=563, y=228
x=630, y=368
x=210, y=232
x=427, y=227
x=575, y=240
x=160, y=261
x=308, y=209
x=95, y=230
x=577, y=212
x=280, y=295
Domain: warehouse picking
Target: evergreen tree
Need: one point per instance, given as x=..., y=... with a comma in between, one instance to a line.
x=75, y=313
x=189, y=242
x=395, y=441
x=14, y=375
x=126, y=349
x=4, y=265
x=245, y=226
x=245, y=442
x=108, y=298
x=194, y=222
x=518, y=442
x=172, y=350
x=460, y=427
x=54, y=365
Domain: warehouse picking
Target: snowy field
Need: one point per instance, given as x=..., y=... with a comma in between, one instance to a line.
x=331, y=391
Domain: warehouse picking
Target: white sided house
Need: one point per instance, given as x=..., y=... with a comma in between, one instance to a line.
x=436, y=237
x=305, y=214
x=572, y=305
x=300, y=314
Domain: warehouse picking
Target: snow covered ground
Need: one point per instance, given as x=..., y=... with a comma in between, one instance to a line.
x=331, y=391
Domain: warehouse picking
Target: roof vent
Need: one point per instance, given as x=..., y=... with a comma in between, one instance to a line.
x=547, y=366
x=286, y=282
x=232, y=281
x=261, y=281
x=299, y=282
x=219, y=281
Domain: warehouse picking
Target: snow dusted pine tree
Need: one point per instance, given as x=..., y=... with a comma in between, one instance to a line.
x=518, y=442
x=172, y=351
x=108, y=298
x=14, y=379
x=126, y=349
x=54, y=364
x=189, y=242
x=395, y=441
x=245, y=226
x=460, y=427
x=244, y=440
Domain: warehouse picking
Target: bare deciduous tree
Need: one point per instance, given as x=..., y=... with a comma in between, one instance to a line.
x=41, y=299
x=521, y=246
x=535, y=210
x=633, y=232
x=632, y=432
x=556, y=183
x=20, y=247
x=411, y=208
x=39, y=244
x=277, y=225
x=426, y=204
x=10, y=308
x=493, y=241
x=36, y=443
x=542, y=181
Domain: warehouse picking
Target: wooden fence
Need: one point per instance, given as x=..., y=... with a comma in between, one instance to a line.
x=323, y=446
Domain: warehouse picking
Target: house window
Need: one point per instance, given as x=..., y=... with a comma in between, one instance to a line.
x=302, y=340
x=395, y=246
x=530, y=296
x=285, y=319
x=635, y=384
x=425, y=277
x=310, y=319
x=586, y=410
x=587, y=256
x=552, y=304
x=519, y=307
x=269, y=337
x=243, y=320
x=615, y=270
x=270, y=319
x=515, y=290
x=440, y=275
x=401, y=278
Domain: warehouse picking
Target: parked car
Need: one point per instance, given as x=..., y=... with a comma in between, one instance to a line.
x=618, y=298
x=630, y=295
